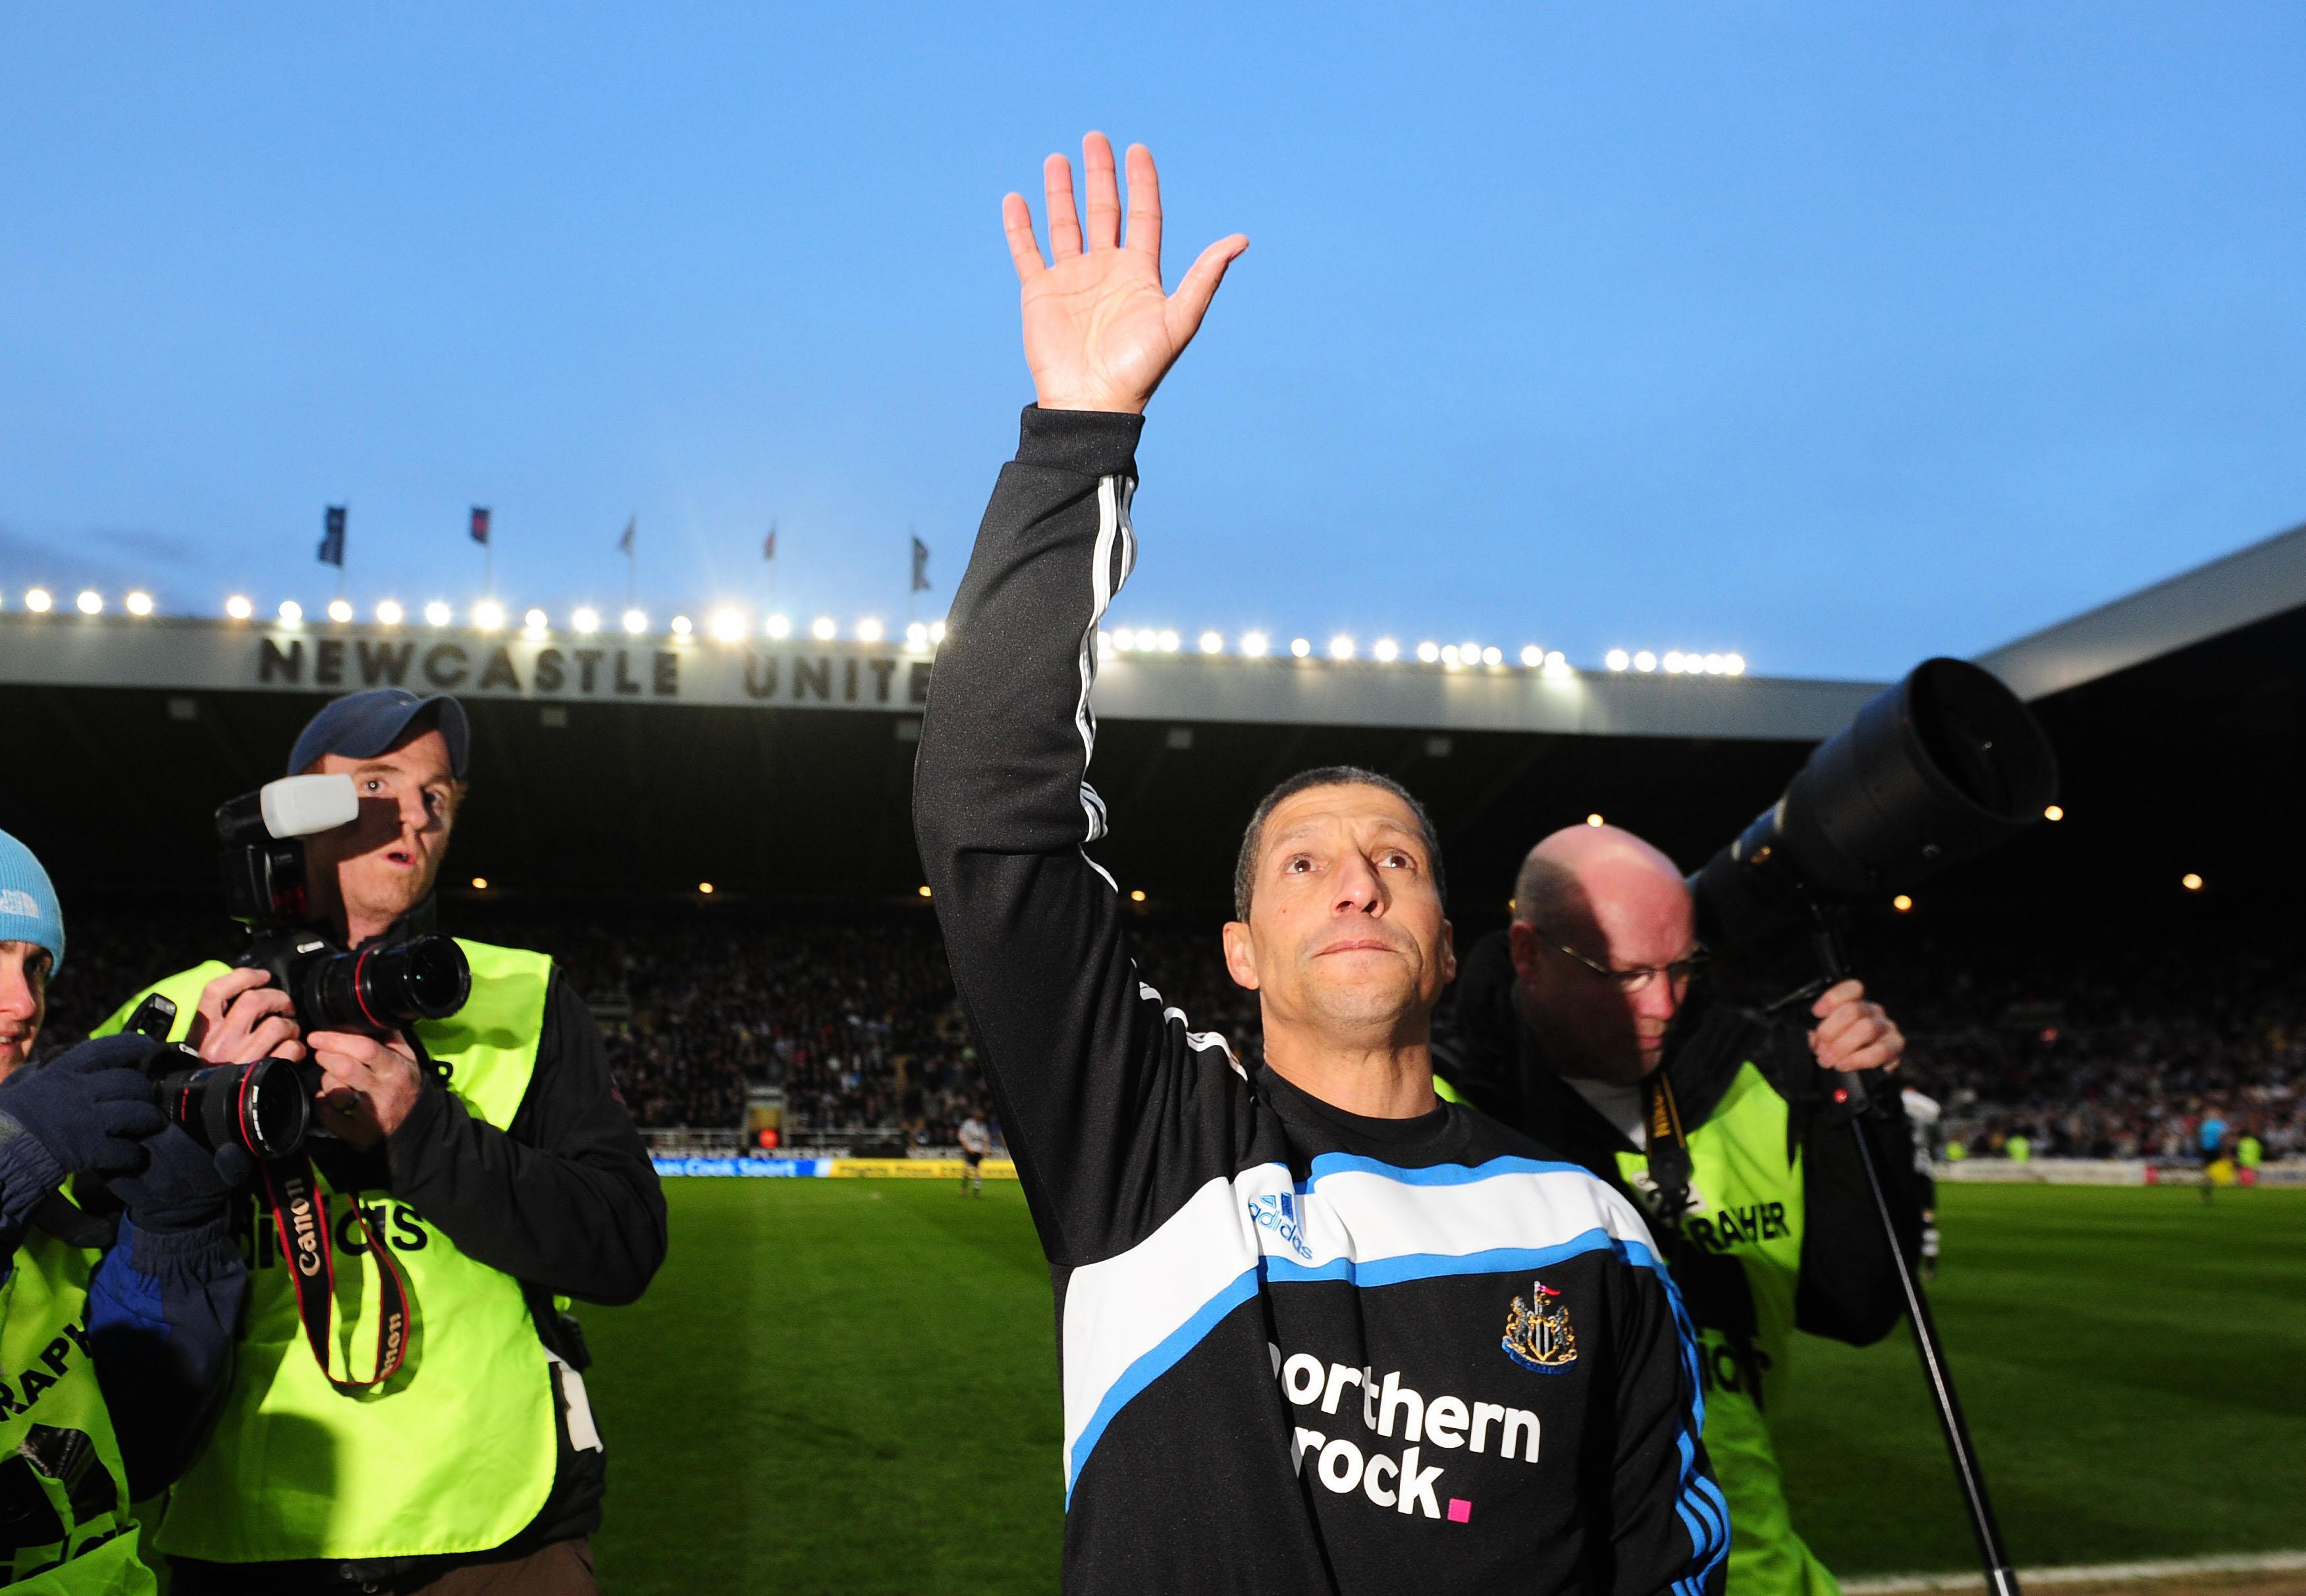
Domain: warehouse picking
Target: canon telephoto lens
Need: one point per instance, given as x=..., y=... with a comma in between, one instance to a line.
x=384, y=988
x=265, y=1107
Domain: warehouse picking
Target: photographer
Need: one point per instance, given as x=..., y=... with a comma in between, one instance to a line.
x=1589, y=1024
x=488, y=1159
x=115, y=1345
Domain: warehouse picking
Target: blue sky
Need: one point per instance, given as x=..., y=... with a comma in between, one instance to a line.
x=1834, y=336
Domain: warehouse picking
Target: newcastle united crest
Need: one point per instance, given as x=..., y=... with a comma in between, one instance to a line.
x=1537, y=1332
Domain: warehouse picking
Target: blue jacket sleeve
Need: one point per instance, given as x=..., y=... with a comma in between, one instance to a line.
x=164, y=1311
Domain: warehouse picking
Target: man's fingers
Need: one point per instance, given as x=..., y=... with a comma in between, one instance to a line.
x=216, y=996
x=1839, y=995
x=1104, y=186
x=1191, y=301
x=1016, y=222
x=268, y=1038
x=1144, y=204
x=1065, y=221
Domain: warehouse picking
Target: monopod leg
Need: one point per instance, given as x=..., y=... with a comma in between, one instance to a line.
x=2001, y=1579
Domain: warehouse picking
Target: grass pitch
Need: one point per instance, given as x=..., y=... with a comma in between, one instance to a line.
x=849, y=1386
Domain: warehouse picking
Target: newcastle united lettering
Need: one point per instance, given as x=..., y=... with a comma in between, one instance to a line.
x=608, y=672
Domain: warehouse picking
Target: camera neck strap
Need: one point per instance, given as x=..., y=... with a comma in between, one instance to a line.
x=1667, y=1147
x=302, y=1218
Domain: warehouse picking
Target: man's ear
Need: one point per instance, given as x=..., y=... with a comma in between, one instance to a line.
x=1240, y=955
x=1521, y=938
x=1448, y=953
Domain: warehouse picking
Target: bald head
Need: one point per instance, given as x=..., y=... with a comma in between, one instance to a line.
x=1580, y=866
x=1615, y=901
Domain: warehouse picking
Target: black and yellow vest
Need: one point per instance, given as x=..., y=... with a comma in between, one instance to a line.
x=66, y=1526
x=454, y=1454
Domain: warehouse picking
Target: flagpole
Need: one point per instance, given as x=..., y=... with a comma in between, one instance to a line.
x=912, y=576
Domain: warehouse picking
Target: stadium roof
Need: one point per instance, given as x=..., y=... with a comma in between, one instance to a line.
x=608, y=766
x=530, y=665
x=2249, y=585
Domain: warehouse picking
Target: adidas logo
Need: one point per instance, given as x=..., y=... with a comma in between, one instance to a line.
x=1278, y=1212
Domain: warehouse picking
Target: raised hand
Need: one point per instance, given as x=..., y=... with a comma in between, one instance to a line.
x=1099, y=332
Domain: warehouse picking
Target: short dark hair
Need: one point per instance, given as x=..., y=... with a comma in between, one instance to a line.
x=1252, y=841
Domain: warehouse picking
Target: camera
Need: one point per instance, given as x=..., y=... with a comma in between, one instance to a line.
x=265, y=1107
x=1941, y=768
x=265, y=888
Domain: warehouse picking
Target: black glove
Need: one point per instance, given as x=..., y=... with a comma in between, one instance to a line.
x=86, y=1113
x=185, y=1186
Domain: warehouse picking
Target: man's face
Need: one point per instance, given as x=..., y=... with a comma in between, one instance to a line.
x=385, y=862
x=1589, y=1027
x=1345, y=933
x=23, y=1002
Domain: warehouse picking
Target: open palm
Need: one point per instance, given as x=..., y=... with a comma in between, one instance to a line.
x=1099, y=333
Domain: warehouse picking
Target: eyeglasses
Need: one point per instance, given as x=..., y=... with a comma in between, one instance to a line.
x=1630, y=981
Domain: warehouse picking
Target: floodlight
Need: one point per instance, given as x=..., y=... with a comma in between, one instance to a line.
x=1301, y=647
x=936, y=631
x=587, y=620
x=1493, y=656
x=139, y=602
x=536, y=620
x=1428, y=652
x=1255, y=645
x=488, y=615
x=636, y=621
x=1341, y=647
x=728, y=625
x=1212, y=644
x=1532, y=655
x=868, y=630
x=1733, y=664
x=388, y=613
x=917, y=636
x=779, y=627
x=1169, y=642
x=292, y=613
x=91, y=602
x=682, y=625
x=1387, y=650
x=438, y=614
x=822, y=628
x=239, y=607
x=1645, y=661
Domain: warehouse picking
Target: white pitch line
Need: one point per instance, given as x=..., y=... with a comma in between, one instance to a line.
x=2268, y=1562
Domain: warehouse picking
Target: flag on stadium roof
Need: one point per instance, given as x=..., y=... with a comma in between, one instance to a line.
x=920, y=566
x=479, y=525
x=332, y=538
x=769, y=544
x=625, y=543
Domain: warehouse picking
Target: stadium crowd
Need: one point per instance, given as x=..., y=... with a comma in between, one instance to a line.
x=2113, y=1050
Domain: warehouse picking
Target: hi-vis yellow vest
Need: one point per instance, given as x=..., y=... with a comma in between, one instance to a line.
x=456, y=1451
x=65, y=1528
x=1746, y=1200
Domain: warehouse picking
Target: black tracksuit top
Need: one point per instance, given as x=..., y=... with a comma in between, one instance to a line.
x=1301, y=1351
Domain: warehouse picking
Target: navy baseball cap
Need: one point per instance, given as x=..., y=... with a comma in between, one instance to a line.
x=361, y=725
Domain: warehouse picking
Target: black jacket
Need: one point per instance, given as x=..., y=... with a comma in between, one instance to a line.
x=1847, y=1288
x=564, y=1199
x=1289, y=1333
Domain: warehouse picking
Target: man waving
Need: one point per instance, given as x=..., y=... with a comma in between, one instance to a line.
x=1320, y=1332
